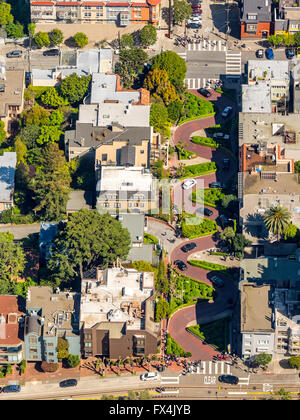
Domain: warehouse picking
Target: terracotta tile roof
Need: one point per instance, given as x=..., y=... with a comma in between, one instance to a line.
x=9, y=326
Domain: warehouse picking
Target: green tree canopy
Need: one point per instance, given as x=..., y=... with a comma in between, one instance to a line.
x=5, y=14
x=29, y=135
x=74, y=87
x=56, y=37
x=31, y=29
x=49, y=134
x=41, y=39
x=81, y=39
x=15, y=30
x=175, y=110
x=294, y=362
x=2, y=133
x=52, y=99
x=263, y=359
x=20, y=149
x=277, y=219
x=127, y=41
x=148, y=35
x=12, y=260
x=297, y=38
x=87, y=240
x=73, y=360
x=173, y=64
x=181, y=11
x=35, y=116
x=158, y=116
x=131, y=63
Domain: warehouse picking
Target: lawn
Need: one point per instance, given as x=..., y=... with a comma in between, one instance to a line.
x=197, y=226
x=215, y=333
x=211, y=196
x=150, y=239
x=175, y=348
x=205, y=141
x=195, y=107
x=198, y=170
x=207, y=265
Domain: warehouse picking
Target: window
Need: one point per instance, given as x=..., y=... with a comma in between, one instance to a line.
x=87, y=7
x=252, y=16
x=50, y=344
x=117, y=205
x=88, y=344
x=106, y=205
x=87, y=15
x=88, y=336
x=251, y=28
x=32, y=340
x=142, y=152
x=104, y=157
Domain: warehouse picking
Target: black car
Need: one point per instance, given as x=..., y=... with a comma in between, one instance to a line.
x=181, y=265
x=51, y=52
x=204, y=92
x=11, y=388
x=12, y=54
x=226, y=163
x=289, y=53
x=217, y=281
x=68, y=382
x=229, y=379
x=215, y=185
x=188, y=247
x=207, y=212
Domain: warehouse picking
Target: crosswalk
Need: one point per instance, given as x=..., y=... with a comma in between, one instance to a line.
x=211, y=368
x=207, y=46
x=170, y=380
x=197, y=83
x=234, y=63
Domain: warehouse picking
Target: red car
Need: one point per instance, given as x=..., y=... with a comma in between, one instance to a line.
x=197, y=11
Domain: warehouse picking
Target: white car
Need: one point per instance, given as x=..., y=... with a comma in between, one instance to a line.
x=188, y=184
x=226, y=111
x=221, y=136
x=150, y=376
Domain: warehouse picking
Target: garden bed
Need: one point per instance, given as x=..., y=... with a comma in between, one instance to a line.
x=207, y=265
x=205, y=141
x=198, y=170
x=211, y=196
x=194, y=230
x=215, y=333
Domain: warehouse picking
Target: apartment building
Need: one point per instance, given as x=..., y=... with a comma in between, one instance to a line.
x=287, y=17
x=8, y=164
x=12, y=86
x=126, y=189
x=117, y=313
x=119, y=12
x=256, y=19
x=50, y=315
x=268, y=86
x=12, y=312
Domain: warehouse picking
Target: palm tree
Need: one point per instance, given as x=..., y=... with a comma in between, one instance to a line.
x=277, y=220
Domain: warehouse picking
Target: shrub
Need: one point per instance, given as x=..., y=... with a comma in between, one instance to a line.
x=199, y=169
x=198, y=226
x=205, y=141
x=174, y=348
x=294, y=362
x=207, y=265
x=49, y=367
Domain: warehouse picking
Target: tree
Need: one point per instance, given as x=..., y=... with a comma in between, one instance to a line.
x=155, y=78
x=148, y=35
x=158, y=116
x=173, y=64
x=74, y=87
x=161, y=283
x=167, y=93
x=73, y=360
x=35, y=116
x=127, y=41
x=31, y=29
x=81, y=39
x=130, y=65
x=15, y=30
x=294, y=362
x=239, y=242
x=2, y=133
x=5, y=14
x=51, y=185
x=291, y=233
x=62, y=348
x=263, y=359
x=41, y=39
x=162, y=310
x=297, y=39
x=228, y=234
x=29, y=134
x=181, y=11
x=52, y=99
x=56, y=37
x=49, y=134
x=12, y=258
x=277, y=219
x=87, y=240
x=20, y=149
x=175, y=110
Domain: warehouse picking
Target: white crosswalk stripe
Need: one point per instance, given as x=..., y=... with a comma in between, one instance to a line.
x=182, y=55
x=210, y=368
x=207, y=46
x=244, y=381
x=233, y=63
x=165, y=380
x=197, y=83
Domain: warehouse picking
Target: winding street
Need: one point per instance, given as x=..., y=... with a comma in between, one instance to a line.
x=204, y=312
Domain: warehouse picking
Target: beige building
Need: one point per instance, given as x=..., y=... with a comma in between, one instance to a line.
x=7, y=180
x=11, y=98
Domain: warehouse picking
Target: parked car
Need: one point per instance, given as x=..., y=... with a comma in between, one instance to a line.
x=227, y=111
x=207, y=212
x=290, y=53
x=217, y=281
x=224, y=221
x=181, y=265
x=153, y=376
x=269, y=53
x=54, y=51
x=186, y=185
x=260, y=53
x=226, y=163
x=229, y=379
x=13, y=54
x=194, y=25
x=188, y=247
x=221, y=136
x=68, y=382
x=197, y=10
x=204, y=92
x=215, y=185
x=11, y=388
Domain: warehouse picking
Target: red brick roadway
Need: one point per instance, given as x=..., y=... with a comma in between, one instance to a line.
x=180, y=319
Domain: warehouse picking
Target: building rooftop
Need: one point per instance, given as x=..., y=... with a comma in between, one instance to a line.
x=56, y=311
x=13, y=94
x=268, y=71
x=262, y=8
x=80, y=199
x=256, y=98
x=256, y=313
x=116, y=295
x=286, y=184
x=10, y=312
x=7, y=175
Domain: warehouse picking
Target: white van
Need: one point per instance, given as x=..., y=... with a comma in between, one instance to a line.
x=154, y=376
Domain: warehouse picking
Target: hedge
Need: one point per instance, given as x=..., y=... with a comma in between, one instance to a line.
x=211, y=196
x=175, y=348
x=199, y=169
x=205, y=141
x=207, y=265
x=150, y=239
x=194, y=230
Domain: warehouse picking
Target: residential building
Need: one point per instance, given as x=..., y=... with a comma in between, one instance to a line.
x=80, y=199
x=11, y=98
x=119, y=12
x=267, y=88
x=135, y=224
x=287, y=17
x=257, y=329
x=296, y=95
x=8, y=162
x=117, y=313
x=49, y=316
x=256, y=19
x=48, y=232
x=122, y=189
x=82, y=63
x=11, y=329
